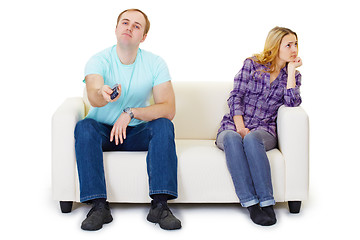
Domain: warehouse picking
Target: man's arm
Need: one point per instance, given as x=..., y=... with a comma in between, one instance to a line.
x=98, y=93
x=164, y=106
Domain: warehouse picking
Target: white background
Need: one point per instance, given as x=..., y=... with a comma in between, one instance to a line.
x=44, y=46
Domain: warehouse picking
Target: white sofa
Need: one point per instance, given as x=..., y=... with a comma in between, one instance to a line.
x=203, y=176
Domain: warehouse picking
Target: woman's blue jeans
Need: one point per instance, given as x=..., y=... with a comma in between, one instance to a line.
x=156, y=137
x=248, y=165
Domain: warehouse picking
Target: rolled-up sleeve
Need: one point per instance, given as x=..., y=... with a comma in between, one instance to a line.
x=292, y=96
x=235, y=101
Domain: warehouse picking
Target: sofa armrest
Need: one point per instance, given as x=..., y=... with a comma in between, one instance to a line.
x=293, y=140
x=63, y=148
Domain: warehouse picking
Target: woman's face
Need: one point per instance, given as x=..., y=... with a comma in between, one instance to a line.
x=288, y=48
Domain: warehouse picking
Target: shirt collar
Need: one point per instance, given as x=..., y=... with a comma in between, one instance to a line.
x=284, y=69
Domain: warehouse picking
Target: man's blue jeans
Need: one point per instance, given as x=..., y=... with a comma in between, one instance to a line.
x=248, y=165
x=156, y=137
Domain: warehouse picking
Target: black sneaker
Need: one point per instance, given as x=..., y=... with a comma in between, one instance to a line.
x=260, y=217
x=160, y=213
x=269, y=210
x=97, y=216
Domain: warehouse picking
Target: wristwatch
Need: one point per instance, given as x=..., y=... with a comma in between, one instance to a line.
x=129, y=111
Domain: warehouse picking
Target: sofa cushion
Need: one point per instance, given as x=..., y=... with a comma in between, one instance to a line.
x=202, y=174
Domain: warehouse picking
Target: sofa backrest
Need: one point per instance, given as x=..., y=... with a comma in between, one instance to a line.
x=200, y=107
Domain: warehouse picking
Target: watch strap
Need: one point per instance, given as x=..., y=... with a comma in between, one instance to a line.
x=129, y=111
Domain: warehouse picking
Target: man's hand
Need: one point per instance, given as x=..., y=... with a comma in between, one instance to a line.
x=119, y=129
x=106, y=92
x=98, y=93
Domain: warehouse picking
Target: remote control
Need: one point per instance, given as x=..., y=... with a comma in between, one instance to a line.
x=115, y=92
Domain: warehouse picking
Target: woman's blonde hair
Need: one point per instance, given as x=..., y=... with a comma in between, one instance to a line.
x=272, y=46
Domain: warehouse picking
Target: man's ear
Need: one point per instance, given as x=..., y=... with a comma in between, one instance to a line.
x=144, y=37
x=116, y=28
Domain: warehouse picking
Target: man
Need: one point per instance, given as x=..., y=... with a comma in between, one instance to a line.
x=127, y=123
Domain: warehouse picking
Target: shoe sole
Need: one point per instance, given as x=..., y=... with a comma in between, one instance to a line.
x=152, y=219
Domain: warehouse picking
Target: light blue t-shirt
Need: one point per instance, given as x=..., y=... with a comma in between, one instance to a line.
x=137, y=81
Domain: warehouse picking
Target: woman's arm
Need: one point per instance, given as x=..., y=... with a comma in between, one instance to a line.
x=291, y=82
x=235, y=101
x=292, y=96
x=240, y=126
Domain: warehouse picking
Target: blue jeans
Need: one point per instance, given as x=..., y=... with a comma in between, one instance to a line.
x=156, y=137
x=248, y=165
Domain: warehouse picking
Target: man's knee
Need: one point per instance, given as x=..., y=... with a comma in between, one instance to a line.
x=162, y=126
x=161, y=123
x=85, y=127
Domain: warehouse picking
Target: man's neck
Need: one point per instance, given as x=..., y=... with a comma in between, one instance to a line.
x=126, y=56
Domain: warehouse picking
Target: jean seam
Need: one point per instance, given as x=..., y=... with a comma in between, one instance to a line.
x=268, y=202
x=94, y=196
x=151, y=192
x=250, y=202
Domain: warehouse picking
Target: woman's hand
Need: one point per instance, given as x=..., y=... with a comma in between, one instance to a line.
x=243, y=132
x=119, y=129
x=291, y=82
x=295, y=64
x=240, y=127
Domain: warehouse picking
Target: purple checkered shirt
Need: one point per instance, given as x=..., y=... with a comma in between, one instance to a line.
x=257, y=100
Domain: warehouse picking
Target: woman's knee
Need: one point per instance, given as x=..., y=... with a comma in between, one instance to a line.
x=252, y=138
x=229, y=138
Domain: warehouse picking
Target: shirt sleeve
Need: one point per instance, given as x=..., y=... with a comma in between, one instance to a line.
x=95, y=65
x=236, y=99
x=161, y=72
x=292, y=96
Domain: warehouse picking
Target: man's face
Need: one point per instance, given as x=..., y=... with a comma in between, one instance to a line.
x=130, y=29
x=288, y=48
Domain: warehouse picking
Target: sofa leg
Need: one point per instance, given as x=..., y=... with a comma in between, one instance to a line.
x=66, y=206
x=294, y=206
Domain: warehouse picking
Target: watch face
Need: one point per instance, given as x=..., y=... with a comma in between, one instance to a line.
x=128, y=110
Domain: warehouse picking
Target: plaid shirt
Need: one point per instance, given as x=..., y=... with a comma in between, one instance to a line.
x=257, y=100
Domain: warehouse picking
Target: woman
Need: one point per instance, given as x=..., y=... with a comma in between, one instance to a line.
x=265, y=82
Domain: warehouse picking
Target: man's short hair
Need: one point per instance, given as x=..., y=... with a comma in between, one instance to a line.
x=147, y=25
